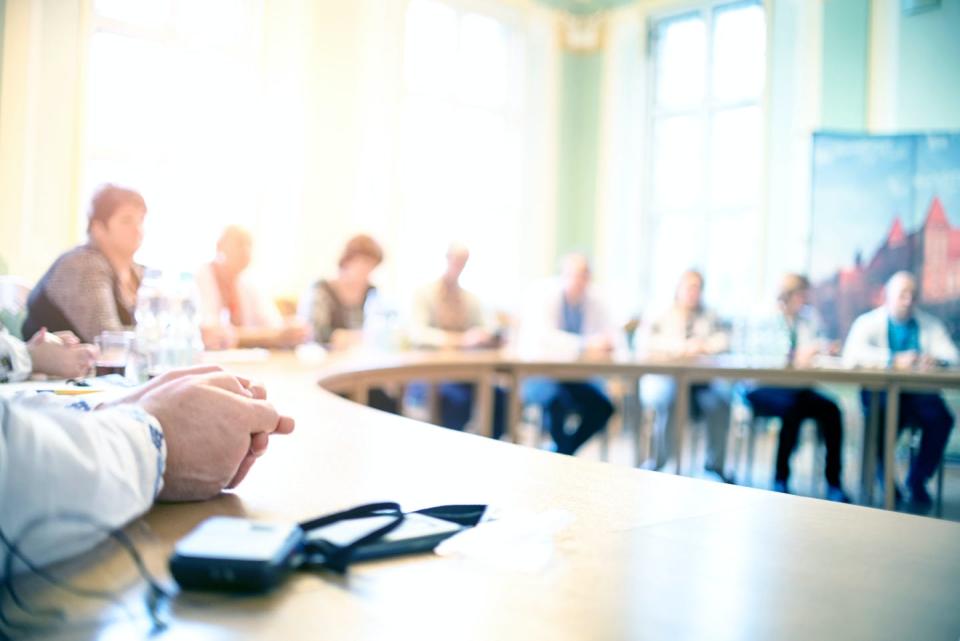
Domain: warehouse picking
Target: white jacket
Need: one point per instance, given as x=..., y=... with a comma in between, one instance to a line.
x=541, y=326
x=868, y=343
x=57, y=464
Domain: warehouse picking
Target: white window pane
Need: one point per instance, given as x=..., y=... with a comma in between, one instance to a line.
x=430, y=49
x=218, y=23
x=483, y=61
x=149, y=13
x=732, y=262
x=129, y=89
x=679, y=244
x=739, y=53
x=678, y=162
x=681, y=62
x=735, y=157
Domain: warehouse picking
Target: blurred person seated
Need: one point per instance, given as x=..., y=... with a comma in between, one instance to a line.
x=446, y=316
x=60, y=355
x=799, y=322
x=688, y=330
x=570, y=320
x=67, y=476
x=334, y=307
x=93, y=288
x=901, y=336
x=234, y=312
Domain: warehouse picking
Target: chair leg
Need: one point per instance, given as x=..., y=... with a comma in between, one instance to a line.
x=940, y=473
x=751, y=448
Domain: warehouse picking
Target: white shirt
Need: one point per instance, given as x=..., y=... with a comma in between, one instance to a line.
x=868, y=343
x=105, y=465
x=669, y=332
x=15, y=363
x=541, y=325
x=256, y=309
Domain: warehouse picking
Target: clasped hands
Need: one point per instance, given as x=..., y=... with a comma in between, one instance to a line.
x=216, y=425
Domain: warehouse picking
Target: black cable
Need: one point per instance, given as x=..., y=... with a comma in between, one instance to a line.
x=157, y=597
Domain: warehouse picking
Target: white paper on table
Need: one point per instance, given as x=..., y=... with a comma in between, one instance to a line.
x=523, y=541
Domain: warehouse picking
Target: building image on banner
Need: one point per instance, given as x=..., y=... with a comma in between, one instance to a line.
x=882, y=204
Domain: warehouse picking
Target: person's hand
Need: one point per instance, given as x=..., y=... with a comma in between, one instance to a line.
x=476, y=337
x=61, y=354
x=215, y=426
x=139, y=392
x=67, y=337
x=905, y=360
x=694, y=347
x=343, y=339
x=217, y=337
x=294, y=333
x=598, y=344
x=925, y=361
x=259, y=441
x=805, y=356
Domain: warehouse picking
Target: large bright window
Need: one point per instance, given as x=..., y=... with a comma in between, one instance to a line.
x=706, y=163
x=462, y=143
x=174, y=111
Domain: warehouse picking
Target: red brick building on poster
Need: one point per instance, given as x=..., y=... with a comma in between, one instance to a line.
x=931, y=253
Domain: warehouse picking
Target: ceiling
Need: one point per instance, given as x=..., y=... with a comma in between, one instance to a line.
x=583, y=7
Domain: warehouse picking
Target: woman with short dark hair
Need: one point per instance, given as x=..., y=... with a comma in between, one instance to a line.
x=93, y=287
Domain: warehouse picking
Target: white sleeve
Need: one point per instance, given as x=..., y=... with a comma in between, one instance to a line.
x=858, y=350
x=15, y=363
x=263, y=311
x=941, y=345
x=105, y=466
x=540, y=335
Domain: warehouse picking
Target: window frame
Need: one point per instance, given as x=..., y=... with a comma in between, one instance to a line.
x=706, y=110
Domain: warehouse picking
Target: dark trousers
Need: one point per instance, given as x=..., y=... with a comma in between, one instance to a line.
x=379, y=399
x=560, y=400
x=793, y=407
x=930, y=415
x=456, y=406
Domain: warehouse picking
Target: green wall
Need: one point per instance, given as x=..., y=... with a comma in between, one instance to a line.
x=579, y=150
x=928, y=80
x=845, y=58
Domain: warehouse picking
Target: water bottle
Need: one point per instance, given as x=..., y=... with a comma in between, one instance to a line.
x=380, y=324
x=187, y=337
x=168, y=323
x=151, y=314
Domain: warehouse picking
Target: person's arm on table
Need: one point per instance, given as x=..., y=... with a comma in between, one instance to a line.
x=186, y=437
x=943, y=351
x=858, y=351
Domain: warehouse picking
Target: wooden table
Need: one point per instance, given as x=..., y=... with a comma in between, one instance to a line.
x=647, y=556
x=356, y=374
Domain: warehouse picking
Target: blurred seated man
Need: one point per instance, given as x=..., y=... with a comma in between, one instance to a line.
x=801, y=325
x=60, y=355
x=901, y=336
x=185, y=436
x=688, y=330
x=446, y=316
x=571, y=320
x=93, y=287
x=234, y=312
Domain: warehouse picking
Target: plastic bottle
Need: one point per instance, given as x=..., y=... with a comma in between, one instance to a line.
x=151, y=314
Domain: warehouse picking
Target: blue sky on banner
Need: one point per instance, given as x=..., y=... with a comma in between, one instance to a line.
x=861, y=184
